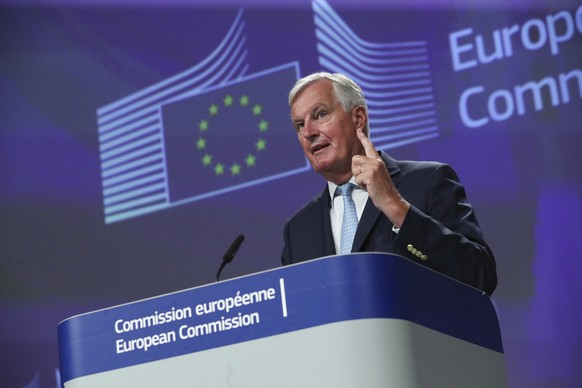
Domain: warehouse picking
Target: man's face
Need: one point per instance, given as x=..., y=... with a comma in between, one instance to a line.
x=326, y=132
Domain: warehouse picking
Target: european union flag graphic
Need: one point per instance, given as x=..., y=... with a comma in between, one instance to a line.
x=230, y=137
x=175, y=143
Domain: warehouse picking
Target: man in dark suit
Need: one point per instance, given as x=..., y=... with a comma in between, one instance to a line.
x=418, y=210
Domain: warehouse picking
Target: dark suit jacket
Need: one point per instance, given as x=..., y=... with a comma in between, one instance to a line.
x=441, y=224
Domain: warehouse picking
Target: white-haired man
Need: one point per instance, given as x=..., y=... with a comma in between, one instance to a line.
x=415, y=209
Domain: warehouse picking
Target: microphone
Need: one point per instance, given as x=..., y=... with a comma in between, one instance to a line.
x=230, y=253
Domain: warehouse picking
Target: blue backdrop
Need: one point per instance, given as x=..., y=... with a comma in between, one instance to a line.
x=137, y=139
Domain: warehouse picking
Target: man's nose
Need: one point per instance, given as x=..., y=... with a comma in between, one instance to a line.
x=309, y=130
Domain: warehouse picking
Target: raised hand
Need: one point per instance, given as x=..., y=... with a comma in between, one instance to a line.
x=372, y=175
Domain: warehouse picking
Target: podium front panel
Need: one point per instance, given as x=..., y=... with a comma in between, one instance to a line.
x=353, y=320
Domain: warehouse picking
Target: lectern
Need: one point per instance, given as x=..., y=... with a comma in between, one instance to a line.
x=357, y=320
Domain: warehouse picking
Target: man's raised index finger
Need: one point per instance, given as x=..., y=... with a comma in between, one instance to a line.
x=368, y=146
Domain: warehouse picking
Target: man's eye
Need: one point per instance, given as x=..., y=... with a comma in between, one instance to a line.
x=299, y=126
x=321, y=114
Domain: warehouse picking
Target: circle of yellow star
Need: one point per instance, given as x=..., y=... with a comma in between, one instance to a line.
x=204, y=125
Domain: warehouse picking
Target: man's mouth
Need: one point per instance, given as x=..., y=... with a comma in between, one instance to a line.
x=318, y=147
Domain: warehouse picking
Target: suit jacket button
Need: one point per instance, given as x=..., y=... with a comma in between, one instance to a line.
x=424, y=257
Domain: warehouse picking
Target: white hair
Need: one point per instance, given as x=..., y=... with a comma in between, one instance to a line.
x=348, y=93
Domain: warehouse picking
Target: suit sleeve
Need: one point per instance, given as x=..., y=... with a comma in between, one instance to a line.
x=443, y=233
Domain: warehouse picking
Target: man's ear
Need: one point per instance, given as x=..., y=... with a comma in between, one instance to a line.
x=359, y=117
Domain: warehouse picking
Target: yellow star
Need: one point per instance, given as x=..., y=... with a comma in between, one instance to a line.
x=250, y=160
x=257, y=109
x=219, y=169
x=263, y=125
x=261, y=145
x=207, y=160
x=235, y=169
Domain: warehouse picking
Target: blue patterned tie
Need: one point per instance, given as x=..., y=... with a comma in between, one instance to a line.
x=350, y=219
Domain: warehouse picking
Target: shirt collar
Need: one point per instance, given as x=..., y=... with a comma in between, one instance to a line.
x=332, y=188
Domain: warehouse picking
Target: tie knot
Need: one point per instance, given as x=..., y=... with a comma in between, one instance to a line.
x=347, y=189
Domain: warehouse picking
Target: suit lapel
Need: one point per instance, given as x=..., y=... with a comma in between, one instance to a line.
x=369, y=217
x=324, y=202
